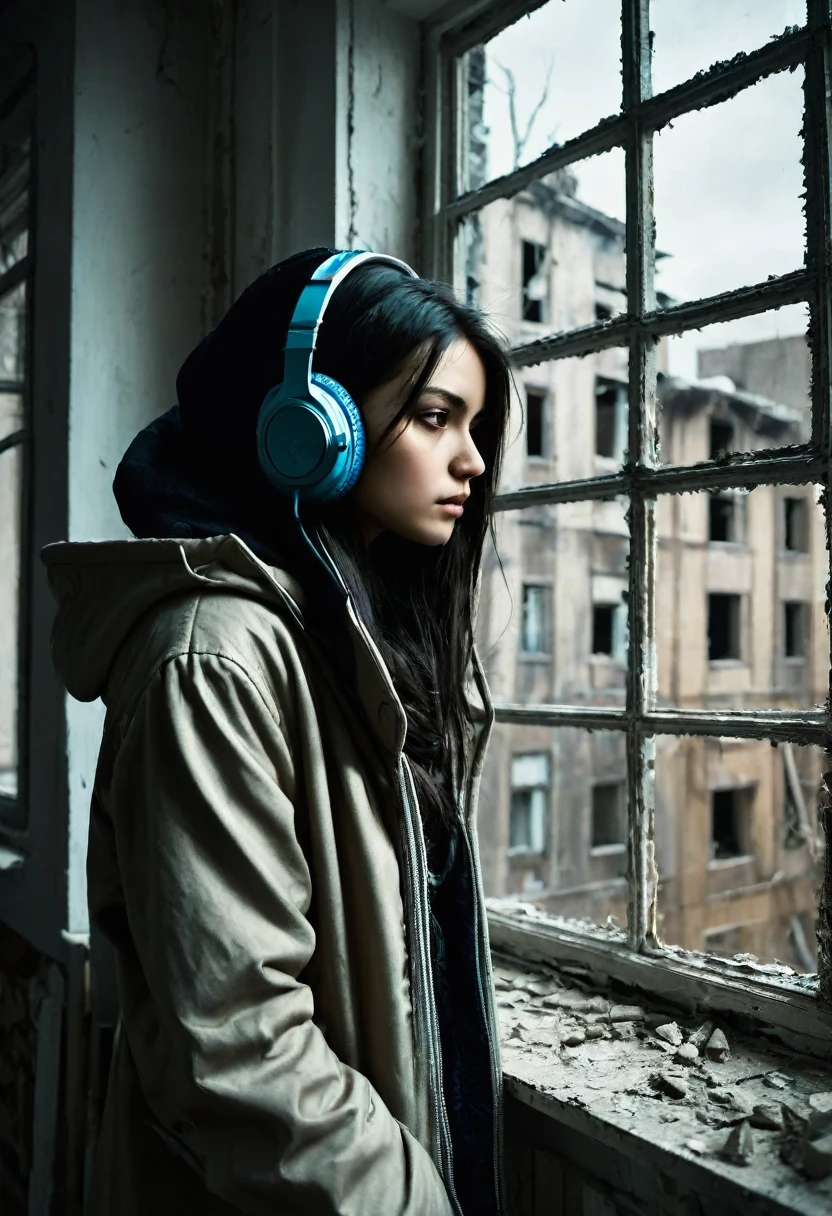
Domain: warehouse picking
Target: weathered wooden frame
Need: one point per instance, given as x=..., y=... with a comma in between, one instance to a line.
x=459, y=28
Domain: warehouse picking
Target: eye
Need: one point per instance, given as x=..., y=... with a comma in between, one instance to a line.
x=441, y=415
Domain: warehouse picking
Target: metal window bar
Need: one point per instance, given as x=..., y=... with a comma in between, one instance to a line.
x=640, y=480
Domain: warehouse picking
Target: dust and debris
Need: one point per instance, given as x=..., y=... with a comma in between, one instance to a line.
x=739, y=1145
x=693, y=1087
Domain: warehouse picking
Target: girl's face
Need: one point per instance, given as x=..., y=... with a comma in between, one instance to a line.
x=430, y=457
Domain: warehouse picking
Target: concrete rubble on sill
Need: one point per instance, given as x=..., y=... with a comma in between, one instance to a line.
x=690, y=1087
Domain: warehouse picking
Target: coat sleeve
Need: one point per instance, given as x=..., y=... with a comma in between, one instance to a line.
x=217, y=889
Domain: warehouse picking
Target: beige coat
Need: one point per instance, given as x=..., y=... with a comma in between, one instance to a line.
x=256, y=857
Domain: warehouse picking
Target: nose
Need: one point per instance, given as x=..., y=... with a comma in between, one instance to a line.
x=468, y=462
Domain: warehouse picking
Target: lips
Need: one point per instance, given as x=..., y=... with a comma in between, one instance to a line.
x=458, y=500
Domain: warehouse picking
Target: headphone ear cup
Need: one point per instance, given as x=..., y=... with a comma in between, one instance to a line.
x=356, y=444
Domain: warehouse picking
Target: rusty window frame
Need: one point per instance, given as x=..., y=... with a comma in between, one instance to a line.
x=641, y=479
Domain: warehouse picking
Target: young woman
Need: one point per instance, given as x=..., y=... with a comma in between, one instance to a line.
x=282, y=840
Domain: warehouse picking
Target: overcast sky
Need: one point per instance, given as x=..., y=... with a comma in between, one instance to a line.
x=727, y=179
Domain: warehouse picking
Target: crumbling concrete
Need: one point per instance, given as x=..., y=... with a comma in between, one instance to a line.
x=698, y=1089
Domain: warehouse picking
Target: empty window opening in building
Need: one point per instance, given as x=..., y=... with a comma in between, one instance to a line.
x=794, y=630
x=535, y=285
x=529, y=810
x=534, y=633
x=607, y=418
x=724, y=641
x=535, y=423
x=795, y=523
x=603, y=628
x=726, y=518
x=608, y=815
x=721, y=438
x=730, y=812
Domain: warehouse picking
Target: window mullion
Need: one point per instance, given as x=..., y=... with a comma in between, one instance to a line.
x=817, y=122
x=641, y=675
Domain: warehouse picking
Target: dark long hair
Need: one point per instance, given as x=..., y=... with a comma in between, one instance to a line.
x=417, y=601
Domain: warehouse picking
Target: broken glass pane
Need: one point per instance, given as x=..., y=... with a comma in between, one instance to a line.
x=738, y=849
x=728, y=181
x=543, y=80
x=740, y=599
x=689, y=38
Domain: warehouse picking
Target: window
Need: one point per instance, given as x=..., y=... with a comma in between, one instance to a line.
x=730, y=823
x=726, y=518
x=534, y=630
x=724, y=640
x=609, y=814
x=15, y=278
x=721, y=438
x=535, y=286
x=603, y=617
x=794, y=630
x=750, y=439
x=609, y=630
x=603, y=312
x=795, y=525
x=608, y=419
x=529, y=803
x=535, y=423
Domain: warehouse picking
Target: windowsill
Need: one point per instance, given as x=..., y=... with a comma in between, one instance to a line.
x=793, y=553
x=607, y=660
x=729, y=544
x=608, y=1090
x=782, y=1003
x=540, y=461
x=725, y=863
x=524, y=853
x=607, y=850
x=726, y=664
x=606, y=464
x=793, y=660
x=532, y=656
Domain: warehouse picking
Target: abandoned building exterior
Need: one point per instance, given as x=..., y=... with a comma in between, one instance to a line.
x=739, y=603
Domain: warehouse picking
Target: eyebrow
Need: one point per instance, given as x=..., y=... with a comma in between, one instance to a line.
x=453, y=399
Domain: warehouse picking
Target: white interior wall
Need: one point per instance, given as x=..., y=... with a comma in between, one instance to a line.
x=209, y=143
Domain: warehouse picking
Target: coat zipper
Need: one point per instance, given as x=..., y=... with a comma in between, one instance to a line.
x=417, y=886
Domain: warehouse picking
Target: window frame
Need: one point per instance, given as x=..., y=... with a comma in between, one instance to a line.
x=20, y=100
x=639, y=954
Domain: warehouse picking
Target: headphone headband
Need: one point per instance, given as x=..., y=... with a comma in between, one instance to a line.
x=302, y=335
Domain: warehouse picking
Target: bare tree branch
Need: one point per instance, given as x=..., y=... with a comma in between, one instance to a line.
x=519, y=141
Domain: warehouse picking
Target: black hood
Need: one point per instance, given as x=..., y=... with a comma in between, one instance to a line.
x=194, y=471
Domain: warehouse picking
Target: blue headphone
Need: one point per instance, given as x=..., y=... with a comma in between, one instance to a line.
x=310, y=437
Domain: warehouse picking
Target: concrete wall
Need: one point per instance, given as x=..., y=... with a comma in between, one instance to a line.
x=196, y=147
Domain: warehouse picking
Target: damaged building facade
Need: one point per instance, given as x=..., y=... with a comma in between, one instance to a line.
x=740, y=592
